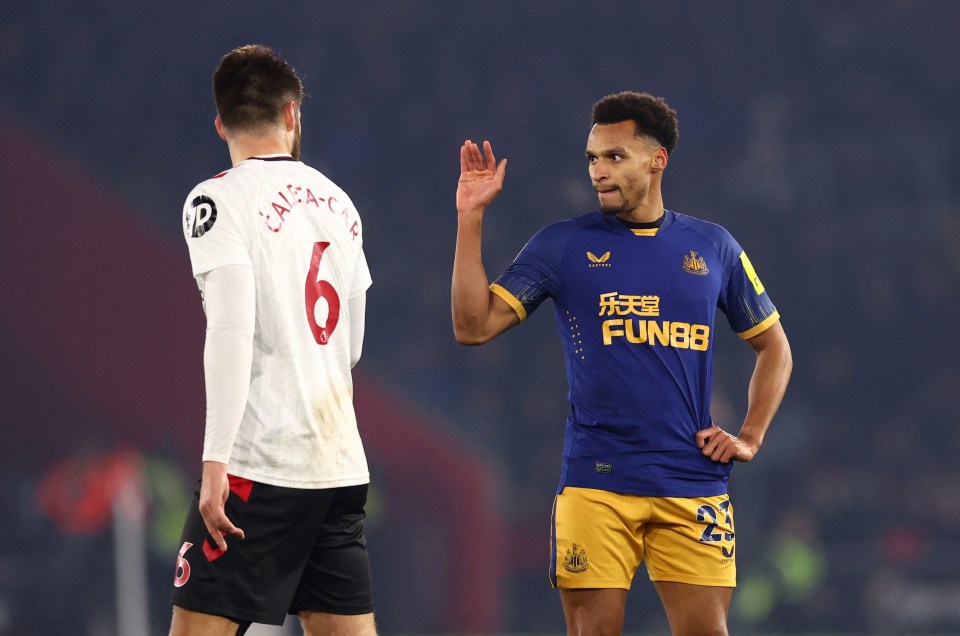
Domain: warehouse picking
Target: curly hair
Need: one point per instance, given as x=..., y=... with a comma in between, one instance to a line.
x=251, y=85
x=653, y=117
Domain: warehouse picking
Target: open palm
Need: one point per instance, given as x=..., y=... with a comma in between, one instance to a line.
x=481, y=178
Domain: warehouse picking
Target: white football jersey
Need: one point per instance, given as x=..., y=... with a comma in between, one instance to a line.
x=302, y=236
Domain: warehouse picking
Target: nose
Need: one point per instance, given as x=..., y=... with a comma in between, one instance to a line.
x=597, y=173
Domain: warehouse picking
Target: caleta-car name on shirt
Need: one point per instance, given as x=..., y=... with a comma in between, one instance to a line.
x=284, y=203
x=677, y=334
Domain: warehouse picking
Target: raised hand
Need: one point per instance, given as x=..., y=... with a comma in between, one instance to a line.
x=481, y=178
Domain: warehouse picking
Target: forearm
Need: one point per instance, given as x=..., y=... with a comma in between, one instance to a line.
x=768, y=384
x=470, y=292
x=226, y=361
x=477, y=316
x=229, y=294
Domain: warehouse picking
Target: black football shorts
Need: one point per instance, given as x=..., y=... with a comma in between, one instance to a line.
x=304, y=551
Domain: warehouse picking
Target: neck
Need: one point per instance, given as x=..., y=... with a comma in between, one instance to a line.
x=246, y=146
x=647, y=212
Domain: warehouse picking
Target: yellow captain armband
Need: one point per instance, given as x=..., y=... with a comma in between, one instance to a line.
x=751, y=273
x=510, y=299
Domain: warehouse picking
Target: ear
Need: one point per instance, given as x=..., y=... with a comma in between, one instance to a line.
x=290, y=113
x=218, y=124
x=660, y=159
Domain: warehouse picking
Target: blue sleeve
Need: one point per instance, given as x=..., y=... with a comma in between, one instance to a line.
x=535, y=273
x=743, y=297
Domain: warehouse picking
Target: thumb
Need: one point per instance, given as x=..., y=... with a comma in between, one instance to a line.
x=226, y=527
x=702, y=436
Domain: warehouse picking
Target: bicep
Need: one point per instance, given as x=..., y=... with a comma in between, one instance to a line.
x=502, y=314
x=229, y=297
x=774, y=338
x=499, y=317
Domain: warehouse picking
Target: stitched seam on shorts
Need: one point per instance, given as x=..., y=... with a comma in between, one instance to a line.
x=694, y=580
x=579, y=583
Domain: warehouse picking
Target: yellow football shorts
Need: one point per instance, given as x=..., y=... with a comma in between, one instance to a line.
x=600, y=538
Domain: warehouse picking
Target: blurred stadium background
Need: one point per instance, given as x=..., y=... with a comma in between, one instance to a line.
x=824, y=135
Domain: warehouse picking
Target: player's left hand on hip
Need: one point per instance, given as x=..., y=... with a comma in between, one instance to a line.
x=720, y=446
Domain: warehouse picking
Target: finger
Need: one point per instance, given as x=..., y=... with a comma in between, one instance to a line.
x=701, y=439
x=217, y=536
x=473, y=156
x=710, y=441
x=471, y=161
x=710, y=449
x=703, y=436
x=226, y=526
x=502, y=170
x=477, y=157
x=220, y=527
x=491, y=163
x=230, y=530
x=463, y=157
x=721, y=454
x=726, y=450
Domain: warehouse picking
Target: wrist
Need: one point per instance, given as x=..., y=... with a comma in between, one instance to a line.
x=211, y=467
x=751, y=440
x=470, y=213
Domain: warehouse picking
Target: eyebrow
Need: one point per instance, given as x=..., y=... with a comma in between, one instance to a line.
x=607, y=151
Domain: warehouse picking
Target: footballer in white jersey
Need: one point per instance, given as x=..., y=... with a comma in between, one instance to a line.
x=303, y=239
x=276, y=522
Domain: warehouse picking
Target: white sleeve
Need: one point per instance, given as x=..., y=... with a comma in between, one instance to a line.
x=358, y=308
x=213, y=236
x=229, y=296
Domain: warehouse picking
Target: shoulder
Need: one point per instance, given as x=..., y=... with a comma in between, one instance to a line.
x=559, y=232
x=213, y=200
x=708, y=229
x=223, y=183
x=335, y=197
x=714, y=233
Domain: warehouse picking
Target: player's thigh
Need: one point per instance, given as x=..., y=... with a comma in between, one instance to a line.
x=597, y=542
x=187, y=623
x=695, y=610
x=595, y=612
x=324, y=624
x=337, y=579
x=691, y=540
x=256, y=578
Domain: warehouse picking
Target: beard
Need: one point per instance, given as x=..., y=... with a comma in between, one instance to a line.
x=295, y=149
x=611, y=210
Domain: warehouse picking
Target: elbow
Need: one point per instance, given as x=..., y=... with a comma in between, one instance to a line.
x=468, y=338
x=787, y=357
x=785, y=362
x=470, y=334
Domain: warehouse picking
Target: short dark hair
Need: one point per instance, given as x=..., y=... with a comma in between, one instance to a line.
x=251, y=85
x=653, y=117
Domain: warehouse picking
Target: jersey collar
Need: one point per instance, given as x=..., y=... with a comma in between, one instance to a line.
x=283, y=156
x=668, y=218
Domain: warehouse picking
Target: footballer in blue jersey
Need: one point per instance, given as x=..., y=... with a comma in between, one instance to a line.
x=636, y=311
x=636, y=289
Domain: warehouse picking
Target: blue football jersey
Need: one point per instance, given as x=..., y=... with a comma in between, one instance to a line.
x=635, y=310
